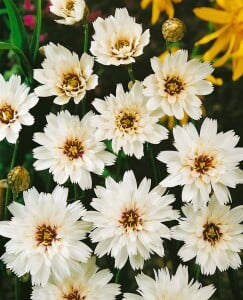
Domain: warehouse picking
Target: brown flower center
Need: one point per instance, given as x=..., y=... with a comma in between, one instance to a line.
x=45, y=235
x=127, y=121
x=203, y=163
x=121, y=43
x=69, y=5
x=72, y=84
x=74, y=295
x=211, y=233
x=73, y=149
x=130, y=219
x=173, y=85
x=6, y=114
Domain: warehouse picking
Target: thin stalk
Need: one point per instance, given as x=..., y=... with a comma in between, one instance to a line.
x=7, y=196
x=75, y=191
x=168, y=47
x=16, y=288
x=198, y=272
x=130, y=72
x=86, y=37
x=117, y=276
x=151, y=156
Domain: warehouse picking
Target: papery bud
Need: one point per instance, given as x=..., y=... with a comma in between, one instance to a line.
x=18, y=179
x=173, y=30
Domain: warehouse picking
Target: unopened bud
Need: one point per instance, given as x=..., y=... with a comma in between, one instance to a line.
x=18, y=179
x=173, y=30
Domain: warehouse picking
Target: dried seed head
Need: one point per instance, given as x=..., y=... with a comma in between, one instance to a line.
x=18, y=179
x=173, y=30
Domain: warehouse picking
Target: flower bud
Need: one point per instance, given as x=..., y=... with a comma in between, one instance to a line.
x=18, y=179
x=173, y=30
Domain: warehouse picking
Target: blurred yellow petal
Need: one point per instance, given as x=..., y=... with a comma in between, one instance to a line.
x=222, y=60
x=237, y=68
x=177, y=1
x=213, y=15
x=169, y=8
x=156, y=9
x=212, y=36
x=219, y=45
x=184, y=120
x=144, y=3
x=215, y=80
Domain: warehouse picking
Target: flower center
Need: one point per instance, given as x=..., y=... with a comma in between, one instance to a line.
x=211, y=233
x=237, y=22
x=121, y=43
x=69, y=5
x=173, y=85
x=74, y=295
x=73, y=149
x=127, y=121
x=130, y=219
x=72, y=84
x=45, y=235
x=6, y=114
x=203, y=163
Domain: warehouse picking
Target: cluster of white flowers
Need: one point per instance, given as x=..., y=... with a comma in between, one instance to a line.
x=125, y=220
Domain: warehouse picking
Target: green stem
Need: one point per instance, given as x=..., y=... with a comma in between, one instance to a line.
x=17, y=289
x=151, y=156
x=7, y=196
x=86, y=37
x=117, y=276
x=130, y=72
x=168, y=46
x=198, y=272
x=75, y=191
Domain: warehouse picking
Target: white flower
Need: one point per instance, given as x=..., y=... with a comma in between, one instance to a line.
x=70, y=11
x=69, y=149
x=65, y=75
x=213, y=235
x=126, y=121
x=15, y=103
x=203, y=163
x=117, y=40
x=128, y=220
x=175, y=84
x=168, y=287
x=84, y=283
x=45, y=236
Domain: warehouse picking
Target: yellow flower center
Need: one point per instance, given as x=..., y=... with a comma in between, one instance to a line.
x=127, y=121
x=130, y=219
x=73, y=149
x=173, y=85
x=6, y=114
x=203, y=163
x=121, y=43
x=72, y=84
x=69, y=5
x=74, y=295
x=45, y=235
x=211, y=233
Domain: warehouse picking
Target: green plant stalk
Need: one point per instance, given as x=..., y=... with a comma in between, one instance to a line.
x=117, y=276
x=198, y=272
x=130, y=72
x=7, y=196
x=17, y=288
x=86, y=37
x=168, y=47
x=151, y=156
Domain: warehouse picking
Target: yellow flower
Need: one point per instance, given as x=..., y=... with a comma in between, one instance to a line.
x=159, y=6
x=228, y=34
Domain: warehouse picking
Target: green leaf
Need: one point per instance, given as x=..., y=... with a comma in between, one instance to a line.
x=34, y=45
x=18, y=34
x=26, y=66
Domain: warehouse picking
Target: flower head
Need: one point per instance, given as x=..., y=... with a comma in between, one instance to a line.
x=70, y=11
x=128, y=220
x=69, y=149
x=213, y=235
x=169, y=287
x=159, y=6
x=15, y=103
x=64, y=75
x=118, y=40
x=125, y=119
x=18, y=179
x=228, y=18
x=176, y=83
x=86, y=282
x=203, y=163
x=45, y=236
x=173, y=30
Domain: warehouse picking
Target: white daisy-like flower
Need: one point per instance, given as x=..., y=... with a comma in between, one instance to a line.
x=65, y=75
x=86, y=282
x=118, y=40
x=168, y=287
x=70, y=150
x=15, y=103
x=45, y=236
x=125, y=119
x=203, y=163
x=213, y=235
x=70, y=11
x=176, y=83
x=132, y=226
